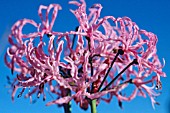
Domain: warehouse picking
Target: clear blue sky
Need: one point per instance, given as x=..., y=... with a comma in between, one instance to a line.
x=152, y=15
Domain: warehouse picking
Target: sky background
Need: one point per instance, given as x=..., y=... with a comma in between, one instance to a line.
x=151, y=15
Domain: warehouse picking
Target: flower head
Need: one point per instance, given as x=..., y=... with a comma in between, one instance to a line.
x=102, y=62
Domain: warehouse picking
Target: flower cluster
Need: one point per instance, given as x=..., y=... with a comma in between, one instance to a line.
x=102, y=56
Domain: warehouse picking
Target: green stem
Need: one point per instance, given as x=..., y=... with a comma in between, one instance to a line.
x=93, y=106
x=92, y=102
x=67, y=108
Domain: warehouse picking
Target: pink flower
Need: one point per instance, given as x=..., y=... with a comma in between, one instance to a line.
x=34, y=66
x=122, y=51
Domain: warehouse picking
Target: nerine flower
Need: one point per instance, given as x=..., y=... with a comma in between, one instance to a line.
x=100, y=62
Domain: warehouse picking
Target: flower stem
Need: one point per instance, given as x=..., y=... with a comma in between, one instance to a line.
x=93, y=106
x=67, y=108
x=92, y=102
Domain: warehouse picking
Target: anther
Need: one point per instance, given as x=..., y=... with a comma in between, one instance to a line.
x=12, y=71
x=44, y=98
x=158, y=85
x=135, y=61
x=131, y=81
x=120, y=51
x=19, y=95
x=41, y=86
x=77, y=28
x=18, y=77
x=38, y=95
x=49, y=35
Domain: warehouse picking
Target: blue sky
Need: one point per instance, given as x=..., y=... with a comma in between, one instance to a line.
x=150, y=15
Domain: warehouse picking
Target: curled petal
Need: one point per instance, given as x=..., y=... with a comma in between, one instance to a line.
x=60, y=101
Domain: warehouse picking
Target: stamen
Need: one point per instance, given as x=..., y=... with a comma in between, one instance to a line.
x=159, y=85
x=20, y=94
x=12, y=67
x=120, y=104
x=120, y=52
x=49, y=35
x=18, y=77
x=12, y=71
x=38, y=95
x=41, y=87
x=133, y=62
x=8, y=80
x=44, y=98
